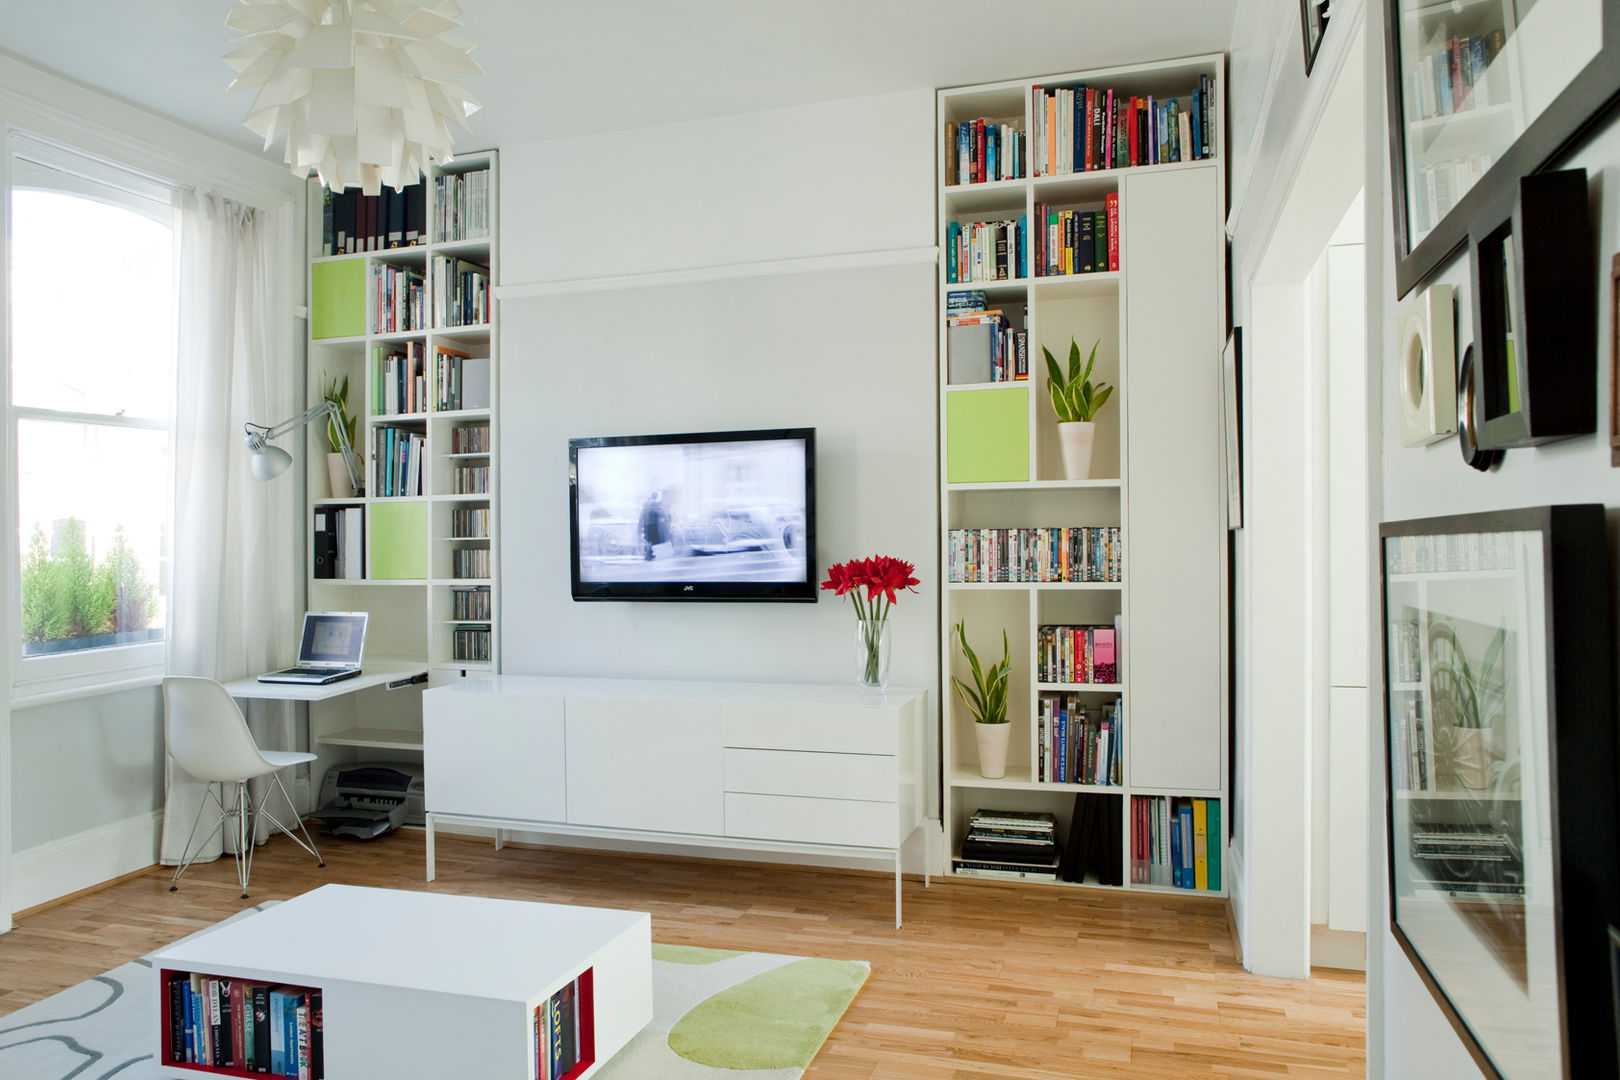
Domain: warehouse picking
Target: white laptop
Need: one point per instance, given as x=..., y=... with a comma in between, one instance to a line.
x=333, y=643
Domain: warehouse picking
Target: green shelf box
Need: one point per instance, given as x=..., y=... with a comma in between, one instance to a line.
x=399, y=549
x=987, y=436
x=337, y=299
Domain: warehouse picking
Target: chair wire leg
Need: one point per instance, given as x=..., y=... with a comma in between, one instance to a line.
x=185, y=861
x=244, y=846
x=307, y=843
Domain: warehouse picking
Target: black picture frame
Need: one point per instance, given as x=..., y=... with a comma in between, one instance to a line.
x=1535, y=314
x=1588, y=95
x=1521, y=976
x=1313, y=21
x=1232, y=424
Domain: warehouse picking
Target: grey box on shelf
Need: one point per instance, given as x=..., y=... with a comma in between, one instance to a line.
x=968, y=353
x=475, y=382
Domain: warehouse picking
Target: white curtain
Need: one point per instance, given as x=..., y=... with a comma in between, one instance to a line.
x=234, y=583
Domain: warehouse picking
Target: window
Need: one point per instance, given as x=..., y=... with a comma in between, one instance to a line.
x=93, y=316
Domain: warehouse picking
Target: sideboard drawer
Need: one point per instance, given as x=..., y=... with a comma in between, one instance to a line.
x=811, y=727
x=872, y=777
x=812, y=821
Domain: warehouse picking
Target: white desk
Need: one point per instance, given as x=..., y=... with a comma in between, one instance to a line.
x=379, y=673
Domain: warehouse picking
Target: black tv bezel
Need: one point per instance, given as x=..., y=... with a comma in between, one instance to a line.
x=725, y=591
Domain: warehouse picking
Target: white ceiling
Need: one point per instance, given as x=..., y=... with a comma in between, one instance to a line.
x=554, y=70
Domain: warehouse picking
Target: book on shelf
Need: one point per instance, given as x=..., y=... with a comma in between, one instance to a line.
x=562, y=1032
x=399, y=379
x=352, y=222
x=469, y=439
x=1455, y=76
x=399, y=296
x=1093, y=844
x=461, y=203
x=470, y=523
x=460, y=292
x=472, y=603
x=1078, y=654
x=1079, y=742
x=984, y=346
x=397, y=461
x=1077, y=241
x=1177, y=841
x=983, y=149
x=1039, y=555
x=986, y=250
x=1087, y=128
x=1009, y=843
x=339, y=543
x=469, y=563
x=244, y=1025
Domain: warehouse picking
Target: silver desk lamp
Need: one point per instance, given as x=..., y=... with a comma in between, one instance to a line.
x=269, y=462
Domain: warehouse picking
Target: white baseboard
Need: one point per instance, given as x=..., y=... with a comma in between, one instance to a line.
x=43, y=873
x=1344, y=949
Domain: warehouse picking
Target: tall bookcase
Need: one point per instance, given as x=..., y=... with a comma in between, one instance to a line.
x=431, y=558
x=1159, y=324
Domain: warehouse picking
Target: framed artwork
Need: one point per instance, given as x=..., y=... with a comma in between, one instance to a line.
x=1614, y=367
x=1480, y=93
x=1232, y=424
x=1500, y=766
x=1313, y=20
x=1535, y=315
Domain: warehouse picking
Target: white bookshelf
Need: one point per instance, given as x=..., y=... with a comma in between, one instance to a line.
x=1157, y=471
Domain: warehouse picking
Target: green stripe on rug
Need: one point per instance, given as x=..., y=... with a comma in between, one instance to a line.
x=775, y=1020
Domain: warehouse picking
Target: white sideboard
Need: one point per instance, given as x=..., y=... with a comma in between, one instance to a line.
x=750, y=766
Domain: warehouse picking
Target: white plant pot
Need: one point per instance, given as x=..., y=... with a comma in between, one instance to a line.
x=992, y=749
x=342, y=486
x=1076, y=438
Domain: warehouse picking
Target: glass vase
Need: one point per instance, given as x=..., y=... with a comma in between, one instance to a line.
x=872, y=652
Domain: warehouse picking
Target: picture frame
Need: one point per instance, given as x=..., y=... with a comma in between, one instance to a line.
x=1535, y=314
x=1614, y=367
x=1528, y=88
x=1232, y=424
x=1313, y=20
x=1499, y=764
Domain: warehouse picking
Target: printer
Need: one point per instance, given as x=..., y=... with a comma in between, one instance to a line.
x=370, y=798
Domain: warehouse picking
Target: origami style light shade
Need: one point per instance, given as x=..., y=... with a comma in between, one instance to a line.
x=364, y=91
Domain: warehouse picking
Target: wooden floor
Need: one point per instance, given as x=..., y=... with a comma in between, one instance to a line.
x=985, y=979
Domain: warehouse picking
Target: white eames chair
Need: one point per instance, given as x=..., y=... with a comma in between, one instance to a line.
x=209, y=738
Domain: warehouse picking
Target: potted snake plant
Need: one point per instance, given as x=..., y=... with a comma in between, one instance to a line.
x=1076, y=401
x=986, y=699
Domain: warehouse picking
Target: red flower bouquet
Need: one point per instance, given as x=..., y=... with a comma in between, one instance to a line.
x=880, y=578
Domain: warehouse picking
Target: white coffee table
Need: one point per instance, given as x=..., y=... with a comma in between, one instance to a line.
x=428, y=985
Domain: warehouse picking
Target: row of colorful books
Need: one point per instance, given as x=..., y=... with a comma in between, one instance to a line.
x=1076, y=553
x=463, y=381
x=1078, y=743
x=352, y=222
x=460, y=292
x=1077, y=241
x=397, y=456
x=986, y=250
x=1087, y=128
x=1077, y=654
x=470, y=523
x=562, y=1031
x=469, y=439
x=1450, y=553
x=1012, y=844
x=1456, y=77
x=470, y=480
x=399, y=380
x=251, y=1027
x=397, y=294
x=461, y=206
x=471, y=603
x=1176, y=841
x=984, y=346
x=471, y=643
x=469, y=563
x=980, y=150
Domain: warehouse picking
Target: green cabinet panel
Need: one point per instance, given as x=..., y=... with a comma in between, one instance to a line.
x=987, y=436
x=337, y=299
x=399, y=541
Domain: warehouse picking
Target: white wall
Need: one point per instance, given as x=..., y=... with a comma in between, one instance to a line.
x=85, y=780
x=768, y=270
x=1415, y=1038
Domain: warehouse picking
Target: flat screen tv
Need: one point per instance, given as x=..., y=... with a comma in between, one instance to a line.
x=718, y=515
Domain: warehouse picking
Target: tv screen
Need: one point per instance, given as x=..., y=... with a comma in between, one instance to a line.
x=724, y=515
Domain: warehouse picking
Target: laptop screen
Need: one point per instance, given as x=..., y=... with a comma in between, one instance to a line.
x=333, y=638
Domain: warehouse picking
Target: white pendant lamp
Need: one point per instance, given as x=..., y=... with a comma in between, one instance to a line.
x=364, y=91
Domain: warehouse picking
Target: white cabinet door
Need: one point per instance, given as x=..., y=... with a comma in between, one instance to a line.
x=494, y=755
x=1175, y=525
x=652, y=765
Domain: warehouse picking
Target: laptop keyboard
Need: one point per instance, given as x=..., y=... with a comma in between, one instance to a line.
x=309, y=671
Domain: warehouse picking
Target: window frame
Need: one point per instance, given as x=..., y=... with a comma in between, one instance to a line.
x=39, y=679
